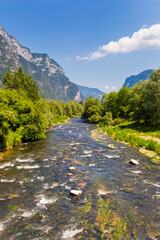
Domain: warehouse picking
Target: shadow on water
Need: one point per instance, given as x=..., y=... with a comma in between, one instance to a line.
x=119, y=201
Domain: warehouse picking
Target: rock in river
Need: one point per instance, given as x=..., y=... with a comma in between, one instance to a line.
x=72, y=168
x=133, y=162
x=69, y=174
x=76, y=192
x=111, y=146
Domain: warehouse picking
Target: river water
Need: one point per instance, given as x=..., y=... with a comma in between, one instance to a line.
x=35, y=199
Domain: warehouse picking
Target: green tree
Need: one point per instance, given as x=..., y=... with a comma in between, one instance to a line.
x=107, y=119
x=23, y=83
x=68, y=109
x=91, y=106
x=137, y=101
x=151, y=94
x=123, y=102
x=110, y=104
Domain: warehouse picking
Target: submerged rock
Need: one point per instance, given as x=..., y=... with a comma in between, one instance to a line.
x=76, y=192
x=111, y=146
x=69, y=174
x=133, y=162
x=70, y=233
x=102, y=192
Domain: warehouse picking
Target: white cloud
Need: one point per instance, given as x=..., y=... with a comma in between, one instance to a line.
x=144, y=26
x=145, y=38
x=114, y=88
x=67, y=59
x=81, y=58
x=107, y=87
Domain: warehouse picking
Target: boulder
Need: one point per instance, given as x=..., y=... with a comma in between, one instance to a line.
x=72, y=168
x=76, y=192
x=133, y=162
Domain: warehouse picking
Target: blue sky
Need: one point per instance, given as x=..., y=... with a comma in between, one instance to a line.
x=70, y=31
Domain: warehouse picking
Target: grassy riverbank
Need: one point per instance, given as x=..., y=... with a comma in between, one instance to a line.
x=146, y=138
x=60, y=119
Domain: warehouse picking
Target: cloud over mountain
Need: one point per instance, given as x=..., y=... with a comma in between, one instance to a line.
x=145, y=38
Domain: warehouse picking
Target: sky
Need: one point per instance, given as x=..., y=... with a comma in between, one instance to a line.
x=98, y=43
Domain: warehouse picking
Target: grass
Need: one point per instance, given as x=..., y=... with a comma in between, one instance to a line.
x=107, y=221
x=60, y=119
x=139, y=135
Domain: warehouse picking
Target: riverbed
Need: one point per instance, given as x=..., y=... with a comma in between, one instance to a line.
x=35, y=185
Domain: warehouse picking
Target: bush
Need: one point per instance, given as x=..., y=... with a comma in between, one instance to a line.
x=95, y=118
x=117, y=121
x=107, y=119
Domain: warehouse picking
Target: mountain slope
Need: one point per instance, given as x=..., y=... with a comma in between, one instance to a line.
x=50, y=77
x=130, y=81
x=87, y=92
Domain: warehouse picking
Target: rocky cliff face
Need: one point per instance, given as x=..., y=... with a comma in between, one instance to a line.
x=130, y=81
x=50, y=77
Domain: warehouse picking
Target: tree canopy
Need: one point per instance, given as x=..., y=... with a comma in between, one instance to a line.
x=24, y=115
x=141, y=102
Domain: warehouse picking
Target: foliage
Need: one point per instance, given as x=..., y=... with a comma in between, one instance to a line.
x=91, y=106
x=141, y=103
x=94, y=118
x=24, y=115
x=107, y=218
x=145, y=100
x=117, y=121
x=23, y=83
x=123, y=102
x=110, y=103
x=136, y=135
x=107, y=119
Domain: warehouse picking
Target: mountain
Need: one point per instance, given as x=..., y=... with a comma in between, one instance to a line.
x=130, y=81
x=50, y=77
x=87, y=92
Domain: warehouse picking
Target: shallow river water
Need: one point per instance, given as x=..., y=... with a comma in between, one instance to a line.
x=119, y=200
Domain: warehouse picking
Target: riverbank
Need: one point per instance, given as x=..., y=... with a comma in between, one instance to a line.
x=145, y=138
x=57, y=120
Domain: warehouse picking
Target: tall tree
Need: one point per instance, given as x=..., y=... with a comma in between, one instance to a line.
x=22, y=83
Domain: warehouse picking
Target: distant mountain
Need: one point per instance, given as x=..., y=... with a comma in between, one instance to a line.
x=87, y=92
x=130, y=81
x=50, y=77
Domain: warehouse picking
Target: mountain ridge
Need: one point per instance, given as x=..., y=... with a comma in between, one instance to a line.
x=50, y=77
x=133, y=79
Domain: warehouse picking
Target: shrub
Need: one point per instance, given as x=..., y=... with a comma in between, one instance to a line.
x=107, y=119
x=117, y=121
x=95, y=118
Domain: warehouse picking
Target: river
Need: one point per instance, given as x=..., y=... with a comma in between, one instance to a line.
x=118, y=199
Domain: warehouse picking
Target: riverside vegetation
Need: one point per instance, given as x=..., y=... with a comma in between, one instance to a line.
x=131, y=115
x=112, y=202
x=24, y=114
